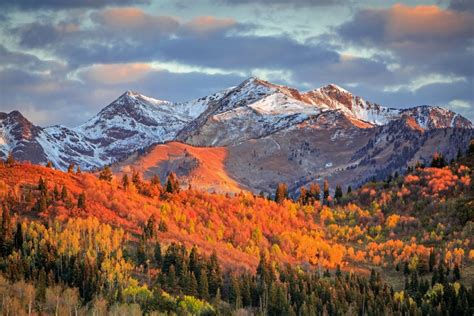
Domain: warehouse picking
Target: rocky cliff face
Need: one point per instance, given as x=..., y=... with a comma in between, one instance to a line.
x=266, y=133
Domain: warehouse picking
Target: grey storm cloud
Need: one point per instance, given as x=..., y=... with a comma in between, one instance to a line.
x=462, y=5
x=430, y=38
x=285, y=2
x=66, y=4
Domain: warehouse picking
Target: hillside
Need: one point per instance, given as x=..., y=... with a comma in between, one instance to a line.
x=413, y=226
x=201, y=167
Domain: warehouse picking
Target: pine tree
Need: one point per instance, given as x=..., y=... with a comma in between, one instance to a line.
x=42, y=186
x=432, y=261
x=70, y=168
x=349, y=189
x=64, y=194
x=193, y=260
x=136, y=179
x=42, y=204
x=78, y=170
x=125, y=182
x=315, y=191
x=18, y=236
x=81, y=201
x=172, y=184
x=193, y=285
x=49, y=164
x=163, y=227
x=150, y=228
x=438, y=161
x=457, y=273
x=203, y=285
x=56, y=193
x=281, y=193
x=157, y=254
x=106, y=174
x=325, y=190
x=338, y=193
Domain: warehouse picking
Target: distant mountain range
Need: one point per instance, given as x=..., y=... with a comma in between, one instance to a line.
x=260, y=134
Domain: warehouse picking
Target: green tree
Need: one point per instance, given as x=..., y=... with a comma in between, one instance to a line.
x=172, y=184
x=125, y=182
x=81, y=201
x=325, y=190
x=70, y=168
x=338, y=193
x=106, y=174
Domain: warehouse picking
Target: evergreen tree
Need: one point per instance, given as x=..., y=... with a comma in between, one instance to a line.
x=42, y=186
x=136, y=179
x=203, y=285
x=172, y=184
x=315, y=191
x=456, y=273
x=338, y=193
x=81, y=201
x=349, y=190
x=18, y=236
x=163, y=227
x=432, y=261
x=150, y=228
x=64, y=194
x=438, y=161
x=325, y=190
x=106, y=174
x=42, y=204
x=157, y=254
x=70, y=168
x=56, y=193
x=49, y=164
x=125, y=182
x=78, y=170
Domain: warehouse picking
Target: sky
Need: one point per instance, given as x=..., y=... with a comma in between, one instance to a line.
x=63, y=61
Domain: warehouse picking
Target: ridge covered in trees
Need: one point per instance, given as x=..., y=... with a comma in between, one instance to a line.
x=76, y=243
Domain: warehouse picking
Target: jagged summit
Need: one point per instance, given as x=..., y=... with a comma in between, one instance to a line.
x=252, y=110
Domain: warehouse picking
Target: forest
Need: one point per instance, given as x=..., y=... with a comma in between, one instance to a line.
x=80, y=243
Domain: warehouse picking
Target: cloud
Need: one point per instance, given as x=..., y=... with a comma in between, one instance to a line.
x=299, y=3
x=462, y=5
x=112, y=74
x=66, y=4
x=135, y=21
x=424, y=36
x=209, y=24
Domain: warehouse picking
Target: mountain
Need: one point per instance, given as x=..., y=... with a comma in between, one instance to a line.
x=254, y=135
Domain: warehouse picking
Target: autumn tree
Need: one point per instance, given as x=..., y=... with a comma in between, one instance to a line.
x=281, y=193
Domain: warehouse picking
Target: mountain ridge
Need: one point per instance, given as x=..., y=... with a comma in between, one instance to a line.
x=235, y=117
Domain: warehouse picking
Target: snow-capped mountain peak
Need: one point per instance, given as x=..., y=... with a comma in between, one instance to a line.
x=254, y=109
